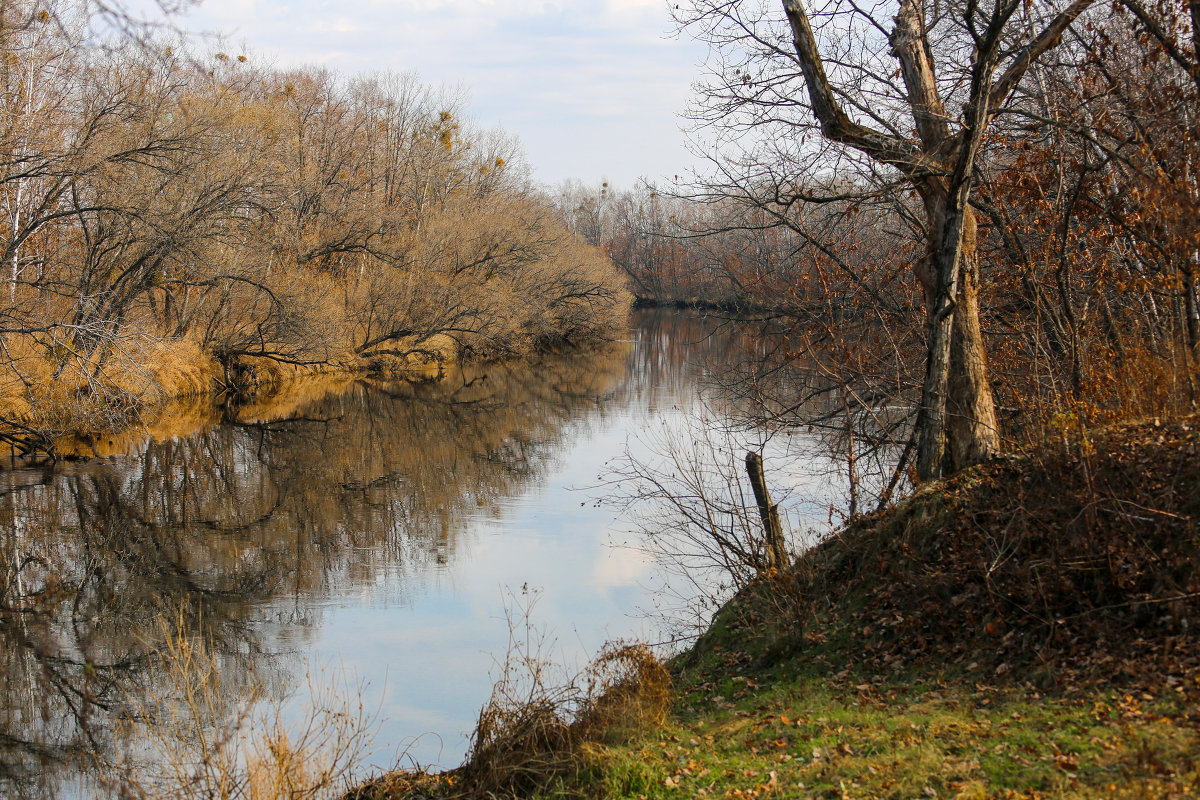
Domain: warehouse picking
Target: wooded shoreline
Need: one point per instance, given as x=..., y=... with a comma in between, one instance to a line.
x=263, y=390
x=175, y=220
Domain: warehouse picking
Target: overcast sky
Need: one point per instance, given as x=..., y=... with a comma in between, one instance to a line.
x=593, y=88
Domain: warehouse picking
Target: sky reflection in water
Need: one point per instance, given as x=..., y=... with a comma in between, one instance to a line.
x=371, y=539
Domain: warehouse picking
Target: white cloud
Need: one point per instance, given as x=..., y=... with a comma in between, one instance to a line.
x=591, y=88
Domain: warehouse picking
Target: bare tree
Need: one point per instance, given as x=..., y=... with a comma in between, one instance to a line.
x=873, y=83
x=253, y=223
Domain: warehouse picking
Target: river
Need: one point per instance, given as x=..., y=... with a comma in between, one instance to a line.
x=367, y=543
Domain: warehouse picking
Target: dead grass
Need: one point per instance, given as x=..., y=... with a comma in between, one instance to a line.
x=197, y=736
x=154, y=388
x=182, y=368
x=628, y=694
x=535, y=730
x=47, y=394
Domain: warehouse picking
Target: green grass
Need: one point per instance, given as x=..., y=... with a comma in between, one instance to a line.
x=860, y=736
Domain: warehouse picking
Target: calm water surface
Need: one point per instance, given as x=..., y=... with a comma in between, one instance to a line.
x=375, y=538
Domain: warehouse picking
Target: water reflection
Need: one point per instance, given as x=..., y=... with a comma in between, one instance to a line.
x=375, y=525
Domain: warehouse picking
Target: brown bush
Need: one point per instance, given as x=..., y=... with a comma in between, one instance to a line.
x=525, y=738
x=175, y=214
x=629, y=691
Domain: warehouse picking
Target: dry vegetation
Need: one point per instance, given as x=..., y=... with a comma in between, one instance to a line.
x=1083, y=201
x=173, y=222
x=538, y=730
x=196, y=735
x=1027, y=628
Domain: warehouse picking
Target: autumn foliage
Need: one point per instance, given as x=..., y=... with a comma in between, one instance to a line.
x=1087, y=202
x=173, y=222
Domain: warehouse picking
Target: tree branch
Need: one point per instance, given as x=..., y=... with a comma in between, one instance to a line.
x=1044, y=41
x=836, y=125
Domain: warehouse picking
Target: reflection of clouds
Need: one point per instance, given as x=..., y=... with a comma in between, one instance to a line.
x=618, y=567
x=440, y=649
x=425, y=668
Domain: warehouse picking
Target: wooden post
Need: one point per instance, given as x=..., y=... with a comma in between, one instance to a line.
x=776, y=550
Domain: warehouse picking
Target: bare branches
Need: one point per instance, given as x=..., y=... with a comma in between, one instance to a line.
x=835, y=124
x=910, y=45
x=1046, y=40
x=258, y=217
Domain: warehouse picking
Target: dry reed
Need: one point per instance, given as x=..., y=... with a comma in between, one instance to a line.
x=199, y=736
x=534, y=728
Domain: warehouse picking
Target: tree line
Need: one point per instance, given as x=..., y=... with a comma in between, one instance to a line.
x=986, y=213
x=173, y=220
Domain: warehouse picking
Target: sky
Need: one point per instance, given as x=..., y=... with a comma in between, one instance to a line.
x=593, y=89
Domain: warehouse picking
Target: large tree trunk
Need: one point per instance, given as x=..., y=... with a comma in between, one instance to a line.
x=971, y=427
x=956, y=426
x=957, y=422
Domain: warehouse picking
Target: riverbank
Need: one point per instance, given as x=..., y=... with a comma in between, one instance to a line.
x=1025, y=629
x=176, y=388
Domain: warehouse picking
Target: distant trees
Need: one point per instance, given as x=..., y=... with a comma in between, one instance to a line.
x=672, y=250
x=153, y=201
x=1033, y=166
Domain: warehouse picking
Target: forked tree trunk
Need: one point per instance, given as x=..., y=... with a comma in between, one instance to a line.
x=956, y=425
x=958, y=414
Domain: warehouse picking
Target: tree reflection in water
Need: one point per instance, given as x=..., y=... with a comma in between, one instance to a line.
x=236, y=533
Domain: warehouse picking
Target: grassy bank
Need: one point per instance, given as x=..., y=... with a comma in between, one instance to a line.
x=744, y=733
x=1026, y=629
